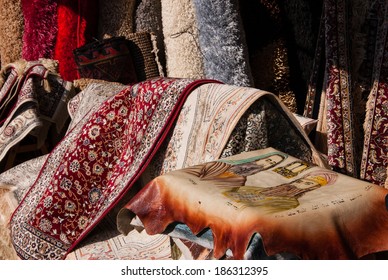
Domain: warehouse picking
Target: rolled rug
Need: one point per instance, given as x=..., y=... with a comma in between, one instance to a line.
x=222, y=41
x=268, y=48
x=11, y=31
x=77, y=25
x=40, y=28
x=142, y=46
x=116, y=18
x=148, y=18
x=183, y=55
x=374, y=160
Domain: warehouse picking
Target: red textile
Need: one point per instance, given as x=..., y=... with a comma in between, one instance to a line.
x=40, y=28
x=374, y=161
x=77, y=25
x=93, y=167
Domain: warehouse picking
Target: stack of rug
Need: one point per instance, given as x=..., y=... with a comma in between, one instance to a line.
x=347, y=88
x=32, y=98
x=86, y=155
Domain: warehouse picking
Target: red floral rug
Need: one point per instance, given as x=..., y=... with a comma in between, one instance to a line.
x=374, y=162
x=93, y=167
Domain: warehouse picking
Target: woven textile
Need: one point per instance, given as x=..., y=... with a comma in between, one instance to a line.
x=9, y=82
x=108, y=59
x=144, y=54
x=115, y=143
x=374, y=164
x=347, y=88
x=28, y=104
x=148, y=17
x=341, y=154
x=14, y=183
x=222, y=120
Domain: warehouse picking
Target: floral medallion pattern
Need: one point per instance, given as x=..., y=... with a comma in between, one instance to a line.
x=374, y=163
x=93, y=166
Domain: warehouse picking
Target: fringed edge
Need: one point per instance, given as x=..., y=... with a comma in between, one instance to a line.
x=18, y=65
x=155, y=51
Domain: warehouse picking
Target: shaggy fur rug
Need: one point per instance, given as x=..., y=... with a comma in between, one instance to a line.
x=116, y=18
x=184, y=58
x=40, y=28
x=11, y=31
x=222, y=41
x=77, y=25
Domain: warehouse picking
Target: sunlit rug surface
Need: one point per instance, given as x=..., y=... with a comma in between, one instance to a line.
x=93, y=166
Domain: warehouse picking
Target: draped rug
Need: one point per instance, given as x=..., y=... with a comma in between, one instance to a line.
x=208, y=110
x=374, y=163
x=212, y=106
x=295, y=206
x=32, y=98
x=347, y=90
x=15, y=182
x=340, y=134
x=93, y=166
x=104, y=242
x=222, y=120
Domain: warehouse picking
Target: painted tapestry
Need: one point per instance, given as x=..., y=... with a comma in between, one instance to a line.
x=295, y=206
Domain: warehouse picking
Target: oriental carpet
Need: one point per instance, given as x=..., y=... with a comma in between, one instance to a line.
x=93, y=166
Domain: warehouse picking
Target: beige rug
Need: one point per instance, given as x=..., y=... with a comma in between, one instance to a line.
x=11, y=31
x=183, y=55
